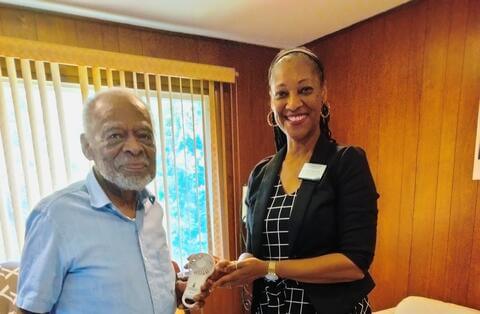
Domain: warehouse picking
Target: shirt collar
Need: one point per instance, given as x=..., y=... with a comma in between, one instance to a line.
x=99, y=199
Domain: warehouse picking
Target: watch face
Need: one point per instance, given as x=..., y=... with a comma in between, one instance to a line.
x=271, y=277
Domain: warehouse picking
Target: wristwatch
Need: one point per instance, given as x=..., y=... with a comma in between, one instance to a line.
x=271, y=275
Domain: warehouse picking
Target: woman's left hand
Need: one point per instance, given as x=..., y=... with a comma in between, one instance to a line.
x=238, y=273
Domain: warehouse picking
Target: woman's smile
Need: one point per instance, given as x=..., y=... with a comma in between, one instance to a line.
x=296, y=119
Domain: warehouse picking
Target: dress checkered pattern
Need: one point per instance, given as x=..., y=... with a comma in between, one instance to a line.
x=285, y=296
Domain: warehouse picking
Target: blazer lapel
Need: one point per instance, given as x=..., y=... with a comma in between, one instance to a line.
x=272, y=169
x=322, y=151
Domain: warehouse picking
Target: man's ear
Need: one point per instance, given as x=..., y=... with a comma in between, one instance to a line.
x=86, y=148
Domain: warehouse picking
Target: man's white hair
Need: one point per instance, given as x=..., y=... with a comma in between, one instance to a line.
x=91, y=102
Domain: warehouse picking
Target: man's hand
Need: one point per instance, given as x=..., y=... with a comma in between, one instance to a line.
x=199, y=299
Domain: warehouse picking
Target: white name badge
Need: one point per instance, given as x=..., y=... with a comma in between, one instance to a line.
x=312, y=172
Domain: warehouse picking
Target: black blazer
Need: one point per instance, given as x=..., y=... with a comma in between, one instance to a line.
x=336, y=214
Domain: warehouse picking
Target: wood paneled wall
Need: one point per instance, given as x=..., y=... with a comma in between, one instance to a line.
x=245, y=121
x=405, y=85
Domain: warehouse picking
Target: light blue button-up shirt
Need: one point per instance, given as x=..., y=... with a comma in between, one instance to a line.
x=82, y=255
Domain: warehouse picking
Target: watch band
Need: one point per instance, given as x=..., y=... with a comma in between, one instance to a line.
x=271, y=274
x=272, y=265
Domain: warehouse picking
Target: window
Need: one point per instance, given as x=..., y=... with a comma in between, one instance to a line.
x=180, y=183
x=40, y=113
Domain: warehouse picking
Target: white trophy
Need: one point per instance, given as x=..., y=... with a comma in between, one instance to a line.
x=201, y=266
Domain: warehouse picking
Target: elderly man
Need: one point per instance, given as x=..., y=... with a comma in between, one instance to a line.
x=98, y=246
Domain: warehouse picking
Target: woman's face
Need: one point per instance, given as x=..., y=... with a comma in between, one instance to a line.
x=296, y=97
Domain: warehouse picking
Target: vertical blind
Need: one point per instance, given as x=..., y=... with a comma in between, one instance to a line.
x=40, y=123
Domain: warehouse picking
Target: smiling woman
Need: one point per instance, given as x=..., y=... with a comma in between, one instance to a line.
x=42, y=132
x=312, y=207
x=298, y=93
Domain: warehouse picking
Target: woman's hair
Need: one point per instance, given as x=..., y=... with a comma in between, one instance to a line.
x=299, y=51
x=280, y=137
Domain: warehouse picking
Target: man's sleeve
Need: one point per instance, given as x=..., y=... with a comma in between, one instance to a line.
x=42, y=267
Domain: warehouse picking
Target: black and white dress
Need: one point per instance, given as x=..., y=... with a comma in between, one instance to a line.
x=285, y=296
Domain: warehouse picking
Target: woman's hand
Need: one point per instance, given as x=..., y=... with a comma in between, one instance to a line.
x=238, y=273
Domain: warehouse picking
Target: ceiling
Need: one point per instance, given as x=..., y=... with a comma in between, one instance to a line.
x=271, y=23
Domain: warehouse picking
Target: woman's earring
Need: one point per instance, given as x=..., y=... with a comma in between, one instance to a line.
x=325, y=111
x=271, y=119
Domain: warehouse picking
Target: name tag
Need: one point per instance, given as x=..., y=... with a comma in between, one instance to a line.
x=312, y=172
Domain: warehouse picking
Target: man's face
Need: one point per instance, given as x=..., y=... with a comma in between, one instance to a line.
x=120, y=142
